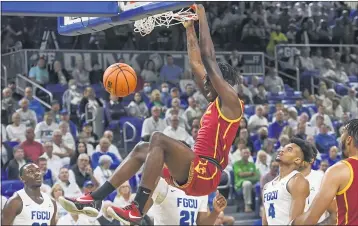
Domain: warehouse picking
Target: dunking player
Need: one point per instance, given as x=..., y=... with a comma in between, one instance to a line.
x=196, y=173
x=314, y=179
x=284, y=197
x=30, y=206
x=340, y=181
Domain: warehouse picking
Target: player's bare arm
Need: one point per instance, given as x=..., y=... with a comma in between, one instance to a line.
x=53, y=219
x=12, y=208
x=264, y=220
x=219, y=204
x=231, y=106
x=332, y=218
x=298, y=187
x=196, y=63
x=334, y=180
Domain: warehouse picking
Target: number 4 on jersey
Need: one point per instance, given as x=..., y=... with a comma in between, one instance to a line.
x=271, y=211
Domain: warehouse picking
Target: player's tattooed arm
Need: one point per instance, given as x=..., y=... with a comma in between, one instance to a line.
x=195, y=61
x=298, y=187
x=12, y=208
x=231, y=106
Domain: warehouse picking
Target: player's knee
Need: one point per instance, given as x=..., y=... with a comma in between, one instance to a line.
x=156, y=137
x=247, y=184
x=140, y=149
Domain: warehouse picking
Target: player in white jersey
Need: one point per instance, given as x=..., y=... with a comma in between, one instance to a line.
x=30, y=206
x=284, y=198
x=171, y=206
x=314, y=179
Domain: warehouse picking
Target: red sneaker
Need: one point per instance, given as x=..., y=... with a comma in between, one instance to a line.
x=84, y=204
x=127, y=215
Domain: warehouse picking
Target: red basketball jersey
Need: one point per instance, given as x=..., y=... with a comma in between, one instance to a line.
x=216, y=134
x=347, y=199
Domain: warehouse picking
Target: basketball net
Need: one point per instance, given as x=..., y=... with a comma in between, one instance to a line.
x=146, y=26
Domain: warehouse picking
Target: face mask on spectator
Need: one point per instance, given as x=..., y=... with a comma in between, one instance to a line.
x=165, y=90
x=73, y=87
x=147, y=89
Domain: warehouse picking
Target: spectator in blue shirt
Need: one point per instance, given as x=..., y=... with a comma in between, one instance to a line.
x=262, y=137
x=323, y=140
x=66, y=118
x=300, y=108
x=39, y=73
x=34, y=104
x=275, y=128
x=165, y=96
x=104, y=147
x=170, y=72
x=333, y=156
x=174, y=93
x=189, y=91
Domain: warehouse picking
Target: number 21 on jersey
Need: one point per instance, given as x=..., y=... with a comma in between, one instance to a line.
x=271, y=211
x=187, y=217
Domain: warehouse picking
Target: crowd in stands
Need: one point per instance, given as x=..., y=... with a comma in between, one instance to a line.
x=75, y=160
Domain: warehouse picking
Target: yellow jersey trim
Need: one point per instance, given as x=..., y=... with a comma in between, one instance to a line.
x=350, y=178
x=224, y=117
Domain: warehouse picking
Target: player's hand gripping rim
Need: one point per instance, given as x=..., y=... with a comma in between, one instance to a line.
x=189, y=23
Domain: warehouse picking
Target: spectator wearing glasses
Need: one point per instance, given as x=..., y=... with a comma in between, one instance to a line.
x=82, y=171
x=152, y=124
x=102, y=172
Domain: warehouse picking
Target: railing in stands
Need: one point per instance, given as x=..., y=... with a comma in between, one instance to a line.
x=125, y=139
x=95, y=116
x=4, y=75
x=22, y=82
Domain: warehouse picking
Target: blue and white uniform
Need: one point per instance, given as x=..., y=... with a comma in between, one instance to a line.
x=173, y=207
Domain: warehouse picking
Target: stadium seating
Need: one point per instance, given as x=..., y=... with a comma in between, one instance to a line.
x=9, y=187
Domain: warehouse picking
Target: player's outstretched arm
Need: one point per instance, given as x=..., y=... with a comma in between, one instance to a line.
x=12, y=208
x=227, y=94
x=196, y=64
x=329, y=188
x=298, y=187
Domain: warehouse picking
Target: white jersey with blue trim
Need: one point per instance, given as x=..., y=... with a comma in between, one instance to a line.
x=173, y=207
x=32, y=213
x=277, y=200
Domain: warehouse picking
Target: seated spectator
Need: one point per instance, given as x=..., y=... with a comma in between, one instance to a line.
x=137, y=107
x=176, y=105
x=300, y=108
x=341, y=74
x=60, y=148
x=337, y=110
x=34, y=104
x=323, y=166
x=274, y=167
x=175, y=131
x=155, y=100
x=112, y=148
x=14, y=165
x=327, y=70
x=88, y=134
x=292, y=117
x=189, y=91
x=55, y=110
x=263, y=135
x=71, y=97
x=80, y=74
x=89, y=97
x=353, y=65
x=59, y=75
x=82, y=171
x=70, y=188
x=276, y=37
x=67, y=137
x=102, y=173
x=114, y=109
x=28, y=116
x=324, y=32
x=240, y=93
x=193, y=111
x=174, y=93
x=76, y=219
x=96, y=74
x=104, y=144
x=147, y=90
x=324, y=141
x=262, y=162
x=106, y=219
x=192, y=139
x=254, y=86
x=149, y=74
x=16, y=131
x=201, y=100
x=39, y=73
x=54, y=162
x=170, y=72
x=275, y=128
x=44, y=129
x=124, y=196
x=80, y=148
x=164, y=95
x=273, y=83
x=310, y=129
x=152, y=124
x=236, y=155
x=305, y=61
x=349, y=103
x=8, y=103
x=318, y=59
x=327, y=120
x=244, y=135
x=269, y=147
x=246, y=175
x=260, y=98
x=257, y=120
x=32, y=149
x=6, y=153
x=333, y=156
x=48, y=177
x=57, y=192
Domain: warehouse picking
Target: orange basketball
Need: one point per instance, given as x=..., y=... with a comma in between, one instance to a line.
x=120, y=79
